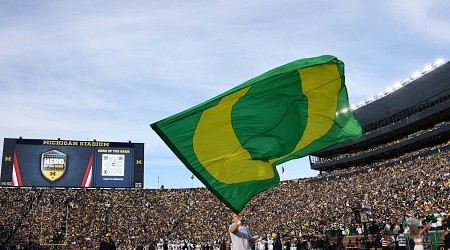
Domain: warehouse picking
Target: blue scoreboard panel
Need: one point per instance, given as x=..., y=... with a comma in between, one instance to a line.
x=67, y=163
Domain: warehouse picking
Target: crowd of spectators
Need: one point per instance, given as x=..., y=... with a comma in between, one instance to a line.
x=195, y=218
x=376, y=147
x=374, y=165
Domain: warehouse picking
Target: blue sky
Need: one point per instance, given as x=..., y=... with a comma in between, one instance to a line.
x=106, y=70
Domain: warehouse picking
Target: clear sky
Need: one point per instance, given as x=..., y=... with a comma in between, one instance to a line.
x=106, y=70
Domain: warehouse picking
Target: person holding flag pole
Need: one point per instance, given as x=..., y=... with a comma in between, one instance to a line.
x=241, y=238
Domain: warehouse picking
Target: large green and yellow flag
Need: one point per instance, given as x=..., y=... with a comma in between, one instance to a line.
x=233, y=142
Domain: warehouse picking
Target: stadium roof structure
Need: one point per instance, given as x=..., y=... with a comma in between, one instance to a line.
x=415, y=115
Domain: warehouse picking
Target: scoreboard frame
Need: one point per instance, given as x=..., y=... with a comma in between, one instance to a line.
x=72, y=164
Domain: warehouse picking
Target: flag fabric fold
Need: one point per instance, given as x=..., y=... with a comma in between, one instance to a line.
x=234, y=141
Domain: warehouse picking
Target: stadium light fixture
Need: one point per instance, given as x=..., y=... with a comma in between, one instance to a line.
x=416, y=75
x=439, y=62
x=427, y=69
x=398, y=85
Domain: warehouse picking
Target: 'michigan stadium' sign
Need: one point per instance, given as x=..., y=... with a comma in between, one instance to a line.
x=53, y=164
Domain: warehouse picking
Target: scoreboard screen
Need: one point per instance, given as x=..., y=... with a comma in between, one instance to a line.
x=66, y=163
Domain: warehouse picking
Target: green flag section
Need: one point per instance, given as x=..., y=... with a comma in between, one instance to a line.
x=233, y=142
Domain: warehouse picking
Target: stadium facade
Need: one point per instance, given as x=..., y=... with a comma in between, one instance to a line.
x=414, y=116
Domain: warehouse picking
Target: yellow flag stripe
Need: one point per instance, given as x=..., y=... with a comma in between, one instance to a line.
x=321, y=85
x=218, y=149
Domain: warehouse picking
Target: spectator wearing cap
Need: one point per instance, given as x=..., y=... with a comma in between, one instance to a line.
x=108, y=243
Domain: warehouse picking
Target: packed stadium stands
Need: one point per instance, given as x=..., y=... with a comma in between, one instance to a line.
x=416, y=185
x=398, y=169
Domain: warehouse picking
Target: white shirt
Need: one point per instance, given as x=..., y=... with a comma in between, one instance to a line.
x=262, y=244
x=270, y=244
x=241, y=238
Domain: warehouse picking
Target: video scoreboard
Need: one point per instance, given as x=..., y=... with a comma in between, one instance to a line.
x=68, y=163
